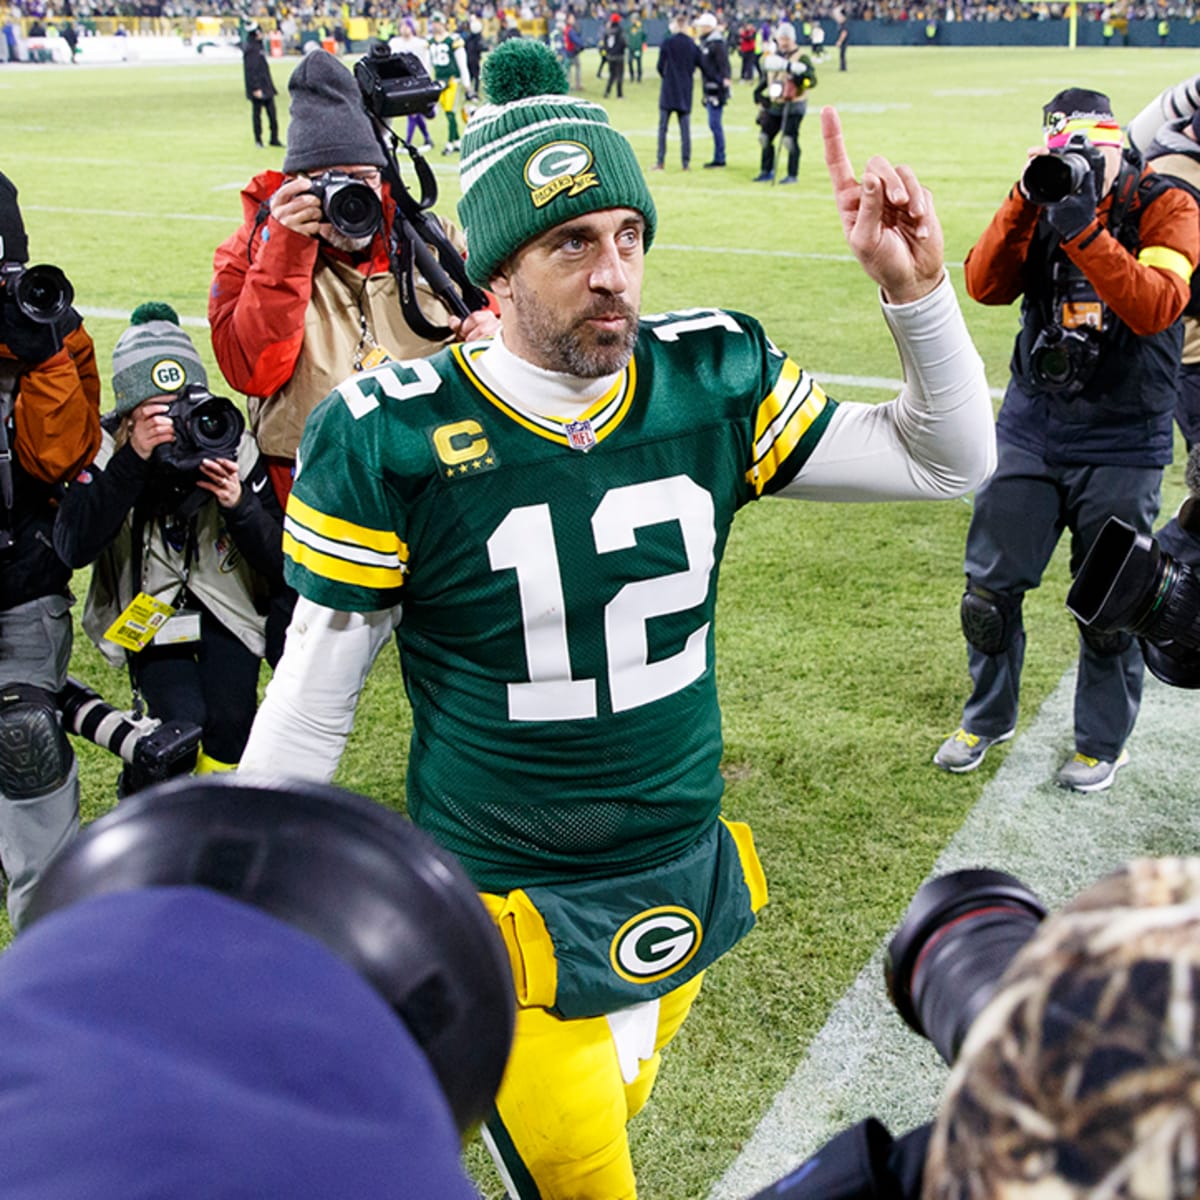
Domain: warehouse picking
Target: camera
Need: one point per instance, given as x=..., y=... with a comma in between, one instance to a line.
x=1063, y=361
x=943, y=964
x=42, y=294
x=206, y=426
x=1130, y=583
x=1061, y=172
x=348, y=204
x=960, y=933
x=153, y=750
x=395, y=85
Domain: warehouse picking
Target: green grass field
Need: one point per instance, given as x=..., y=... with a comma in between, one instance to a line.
x=840, y=658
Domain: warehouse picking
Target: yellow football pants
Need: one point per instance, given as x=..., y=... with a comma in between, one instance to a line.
x=561, y=1112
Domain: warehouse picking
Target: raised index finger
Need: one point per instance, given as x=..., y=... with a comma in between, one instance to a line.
x=836, y=159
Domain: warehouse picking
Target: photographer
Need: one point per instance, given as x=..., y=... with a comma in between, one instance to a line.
x=785, y=78
x=1102, y=251
x=177, y=514
x=49, y=428
x=236, y=991
x=1076, y=1064
x=296, y=306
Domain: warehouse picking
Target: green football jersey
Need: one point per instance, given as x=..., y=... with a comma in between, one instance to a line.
x=442, y=54
x=558, y=582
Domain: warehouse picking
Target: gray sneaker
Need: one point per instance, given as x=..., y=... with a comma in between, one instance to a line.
x=963, y=751
x=1084, y=774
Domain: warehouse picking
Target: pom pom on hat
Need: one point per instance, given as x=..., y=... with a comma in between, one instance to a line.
x=153, y=357
x=534, y=157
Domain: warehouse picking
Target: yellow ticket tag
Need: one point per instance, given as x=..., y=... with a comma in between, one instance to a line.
x=142, y=618
x=375, y=357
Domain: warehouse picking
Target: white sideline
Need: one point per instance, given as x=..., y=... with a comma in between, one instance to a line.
x=865, y=1061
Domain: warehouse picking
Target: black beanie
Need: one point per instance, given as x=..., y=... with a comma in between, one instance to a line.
x=14, y=245
x=328, y=126
x=1079, y=102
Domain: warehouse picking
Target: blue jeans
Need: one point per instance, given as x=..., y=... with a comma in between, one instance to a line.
x=1020, y=515
x=716, y=115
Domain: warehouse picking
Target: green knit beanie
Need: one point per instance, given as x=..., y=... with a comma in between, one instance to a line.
x=534, y=157
x=153, y=357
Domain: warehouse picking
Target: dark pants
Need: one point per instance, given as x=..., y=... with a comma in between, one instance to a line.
x=616, y=75
x=256, y=115
x=749, y=65
x=212, y=683
x=635, y=66
x=685, y=134
x=716, y=116
x=1020, y=514
x=786, y=120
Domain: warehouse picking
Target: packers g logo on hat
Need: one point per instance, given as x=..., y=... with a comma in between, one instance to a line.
x=557, y=168
x=168, y=375
x=656, y=943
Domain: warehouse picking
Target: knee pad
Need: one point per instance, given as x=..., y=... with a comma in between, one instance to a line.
x=764, y=139
x=1110, y=644
x=35, y=755
x=789, y=145
x=990, y=620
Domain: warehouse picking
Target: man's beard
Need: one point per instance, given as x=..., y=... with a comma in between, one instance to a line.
x=571, y=345
x=339, y=241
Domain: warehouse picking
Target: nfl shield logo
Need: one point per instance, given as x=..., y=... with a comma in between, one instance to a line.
x=580, y=435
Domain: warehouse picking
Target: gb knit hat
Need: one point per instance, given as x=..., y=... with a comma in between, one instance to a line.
x=14, y=245
x=153, y=357
x=534, y=157
x=327, y=124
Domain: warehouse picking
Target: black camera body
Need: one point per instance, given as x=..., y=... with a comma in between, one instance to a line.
x=1061, y=172
x=1130, y=583
x=42, y=294
x=395, y=85
x=1063, y=361
x=206, y=426
x=348, y=204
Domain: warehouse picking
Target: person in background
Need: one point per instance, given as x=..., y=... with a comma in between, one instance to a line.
x=716, y=81
x=449, y=58
x=49, y=429
x=540, y=523
x=260, y=87
x=572, y=50
x=678, y=59
x=613, y=47
x=186, y=542
x=407, y=41
x=786, y=76
x=637, y=46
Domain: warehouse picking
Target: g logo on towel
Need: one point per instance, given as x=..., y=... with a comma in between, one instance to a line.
x=655, y=943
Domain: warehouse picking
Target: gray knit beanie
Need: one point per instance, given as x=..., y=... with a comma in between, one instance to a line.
x=153, y=357
x=327, y=124
x=534, y=157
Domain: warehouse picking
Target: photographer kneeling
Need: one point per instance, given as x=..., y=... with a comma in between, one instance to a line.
x=1102, y=251
x=177, y=514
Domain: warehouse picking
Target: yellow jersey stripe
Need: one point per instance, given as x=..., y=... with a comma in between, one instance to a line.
x=776, y=450
x=336, y=529
x=773, y=405
x=607, y=412
x=341, y=570
x=1168, y=260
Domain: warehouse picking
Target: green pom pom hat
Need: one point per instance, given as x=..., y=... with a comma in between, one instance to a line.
x=534, y=157
x=153, y=357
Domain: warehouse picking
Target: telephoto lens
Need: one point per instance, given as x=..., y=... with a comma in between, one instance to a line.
x=956, y=940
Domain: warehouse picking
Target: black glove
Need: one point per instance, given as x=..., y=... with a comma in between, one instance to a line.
x=1074, y=213
x=31, y=340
